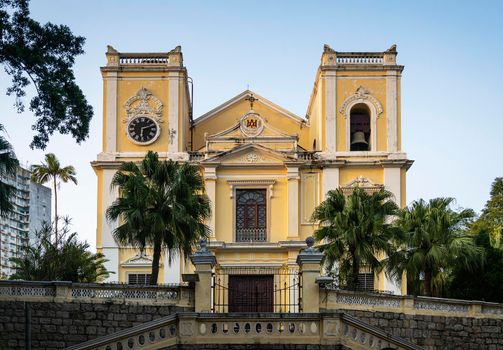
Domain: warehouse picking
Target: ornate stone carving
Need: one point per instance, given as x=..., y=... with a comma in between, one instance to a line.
x=186, y=328
x=363, y=183
x=252, y=158
x=143, y=104
x=251, y=124
x=361, y=95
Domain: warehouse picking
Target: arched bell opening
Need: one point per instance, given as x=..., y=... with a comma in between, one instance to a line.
x=360, y=128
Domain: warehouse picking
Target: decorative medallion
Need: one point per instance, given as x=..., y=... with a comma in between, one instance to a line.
x=143, y=116
x=251, y=124
x=252, y=157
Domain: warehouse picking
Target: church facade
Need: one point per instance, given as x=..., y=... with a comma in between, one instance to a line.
x=265, y=168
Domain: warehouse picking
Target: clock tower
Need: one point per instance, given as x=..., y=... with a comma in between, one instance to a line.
x=146, y=106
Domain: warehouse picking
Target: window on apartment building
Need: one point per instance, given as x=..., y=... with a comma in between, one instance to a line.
x=139, y=278
x=251, y=215
x=360, y=128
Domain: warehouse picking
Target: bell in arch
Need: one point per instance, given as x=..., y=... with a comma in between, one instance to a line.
x=358, y=142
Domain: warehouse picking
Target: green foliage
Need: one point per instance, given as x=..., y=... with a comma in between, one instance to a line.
x=161, y=204
x=491, y=219
x=51, y=170
x=355, y=231
x=435, y=241
x=44, y=56
x=483, y=281
x=8, y=166
x=66, y=259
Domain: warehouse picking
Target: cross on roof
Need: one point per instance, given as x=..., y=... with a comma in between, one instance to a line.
x=251, y=99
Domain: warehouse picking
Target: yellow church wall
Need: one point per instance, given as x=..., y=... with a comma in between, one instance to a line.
x=231, y=116
x=126, y=253
x=316, y=120
x=346, y=175
x=125, y=90
x=277, y=213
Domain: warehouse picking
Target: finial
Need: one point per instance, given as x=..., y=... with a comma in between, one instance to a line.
x=110, y=49
x=251, y=99
x=203, y=245
x=310, y=242
x=328, y=49
x=176, y=49
x=392, y=49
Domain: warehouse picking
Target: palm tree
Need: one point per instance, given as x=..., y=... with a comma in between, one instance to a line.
x=8, y=165
x=51, y=170
x=434, y=237
x=355, y=229
x=162, y=204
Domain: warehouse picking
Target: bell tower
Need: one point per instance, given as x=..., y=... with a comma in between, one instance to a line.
x=355, y=118
x=146, y=106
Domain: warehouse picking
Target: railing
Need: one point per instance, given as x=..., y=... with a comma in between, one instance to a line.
x=341, y=299
x=257, y=289
x=152, y=59
x=360, y=58
x=196, y=156
x=93, y=292
x=302, y=331
x=306, y=155
x=251, y=234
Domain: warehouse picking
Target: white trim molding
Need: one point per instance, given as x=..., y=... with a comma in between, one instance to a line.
x=111, y=113
x=331, y=111
x=251, y=183
x=362, y=95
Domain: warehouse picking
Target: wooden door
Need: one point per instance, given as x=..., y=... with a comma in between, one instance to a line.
x=251, y=293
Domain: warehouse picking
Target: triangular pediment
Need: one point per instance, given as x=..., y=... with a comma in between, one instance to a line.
x=139, y=260
x=241, y=98
x=251, y=154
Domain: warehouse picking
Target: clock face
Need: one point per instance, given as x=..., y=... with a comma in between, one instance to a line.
x=143, y=130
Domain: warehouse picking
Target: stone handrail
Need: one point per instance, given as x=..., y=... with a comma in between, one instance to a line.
x=342, y=299
x=213, y=330
x=63, y=291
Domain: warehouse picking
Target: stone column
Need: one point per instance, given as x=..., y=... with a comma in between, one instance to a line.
x=203, y=261
x=309, y=261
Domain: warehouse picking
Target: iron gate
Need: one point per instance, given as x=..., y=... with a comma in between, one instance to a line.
x=256, y=289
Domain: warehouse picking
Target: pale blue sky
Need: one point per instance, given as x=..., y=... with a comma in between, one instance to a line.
x=451, y=85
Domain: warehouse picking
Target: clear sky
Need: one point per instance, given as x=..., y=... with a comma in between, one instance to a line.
x=451, y=86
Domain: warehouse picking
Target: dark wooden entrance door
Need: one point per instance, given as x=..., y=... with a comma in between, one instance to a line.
x=251, y=293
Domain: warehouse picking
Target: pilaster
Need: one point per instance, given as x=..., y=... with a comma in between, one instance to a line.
x=392, y=110
x=210, y=183
x=392, y=182
x=173, y=111
x=330, y=111
x=111, y=113
x=293, y=202
x=330, y=180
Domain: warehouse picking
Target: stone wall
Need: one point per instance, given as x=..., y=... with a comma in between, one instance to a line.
x=59, y=325
x=438, y=332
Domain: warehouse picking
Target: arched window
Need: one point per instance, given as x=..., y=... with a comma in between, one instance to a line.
x=360, y=128
x=251, y=218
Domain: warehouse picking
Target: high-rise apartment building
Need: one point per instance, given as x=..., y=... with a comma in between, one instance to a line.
x=31, y=207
